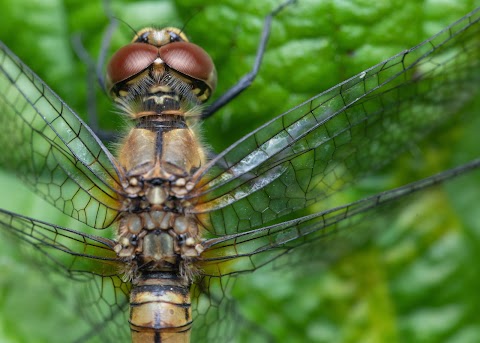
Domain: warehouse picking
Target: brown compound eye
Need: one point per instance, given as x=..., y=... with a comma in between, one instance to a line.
x=130, y=60
x=191, y=60
x=184, y=57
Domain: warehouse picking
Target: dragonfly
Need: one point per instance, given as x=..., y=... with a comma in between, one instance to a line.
x=223, y=165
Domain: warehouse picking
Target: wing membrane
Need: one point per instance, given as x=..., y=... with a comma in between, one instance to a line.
x=104, y=303
x=65, y=249
x=355, y=128
x=213, y=310
x=89, y=266
x=250, y=250
x=51, y=149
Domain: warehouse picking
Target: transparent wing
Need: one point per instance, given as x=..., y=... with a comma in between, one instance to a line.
x=67, y=249
x=213, y=310
x=325, y=238
x=104, y=303
x=248, y=251
x=51, y=149
x=316, y=149
x=88, y=267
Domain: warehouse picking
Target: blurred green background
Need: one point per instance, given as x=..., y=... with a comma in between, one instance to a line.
x=416, y=280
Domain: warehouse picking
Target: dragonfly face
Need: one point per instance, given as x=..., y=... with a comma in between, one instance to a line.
x=238, y=225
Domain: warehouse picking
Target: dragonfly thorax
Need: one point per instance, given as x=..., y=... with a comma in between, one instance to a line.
x=155, y=233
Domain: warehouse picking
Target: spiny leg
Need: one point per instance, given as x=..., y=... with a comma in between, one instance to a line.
x=248, y=78
x=94, y=73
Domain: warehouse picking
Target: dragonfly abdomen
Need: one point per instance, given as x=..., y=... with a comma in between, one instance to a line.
x=160, y=309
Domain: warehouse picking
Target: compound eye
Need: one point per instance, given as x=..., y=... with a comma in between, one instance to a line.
x=191, y=60
x=130, y=60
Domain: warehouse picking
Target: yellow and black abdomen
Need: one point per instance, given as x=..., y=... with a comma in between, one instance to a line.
x=160, y=309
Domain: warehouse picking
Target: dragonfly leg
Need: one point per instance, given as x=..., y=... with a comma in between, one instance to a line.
x=248, y=78
x=94, y=74
x=106, y=40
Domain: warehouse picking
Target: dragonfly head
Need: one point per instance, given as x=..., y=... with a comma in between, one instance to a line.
x=162, y=60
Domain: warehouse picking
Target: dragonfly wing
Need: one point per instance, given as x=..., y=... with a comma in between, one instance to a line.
x=104, y=303
x=82, y=267
x=248, y=251
x=314, y=150
x=51, y=149
x=59, y=248
x=212, y=310
x=216, y=314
